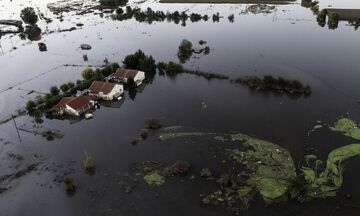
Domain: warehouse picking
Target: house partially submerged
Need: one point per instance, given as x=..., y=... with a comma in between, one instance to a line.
x=123, y=75
x=106, y=90
x=74, y=105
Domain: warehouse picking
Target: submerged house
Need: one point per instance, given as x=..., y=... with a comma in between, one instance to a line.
x=122, y=75
x=106, y=90
x=74, y=105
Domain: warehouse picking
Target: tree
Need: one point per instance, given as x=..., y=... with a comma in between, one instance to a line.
x=71, y=85
x=54, y=91
x=29, y=16
x=64, y=87
x=88, y=74
x=30, y=106
x=184, y=51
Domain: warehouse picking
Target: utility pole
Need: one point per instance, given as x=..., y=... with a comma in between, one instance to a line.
x=17, y=130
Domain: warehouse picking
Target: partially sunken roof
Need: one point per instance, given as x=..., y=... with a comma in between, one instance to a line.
x=122, y=73
x=104, y=87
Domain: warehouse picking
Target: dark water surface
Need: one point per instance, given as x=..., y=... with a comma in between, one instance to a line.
x=288, y=42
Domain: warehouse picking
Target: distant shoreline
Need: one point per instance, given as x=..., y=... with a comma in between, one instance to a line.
x=229, y=1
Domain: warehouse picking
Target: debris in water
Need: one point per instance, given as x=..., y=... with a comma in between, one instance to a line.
x=85, y=47
x=178, y=168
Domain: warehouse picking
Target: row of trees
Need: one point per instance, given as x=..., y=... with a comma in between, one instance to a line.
x=29, y=16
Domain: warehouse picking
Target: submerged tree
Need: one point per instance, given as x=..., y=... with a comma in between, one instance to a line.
x=184, y=51
x=33, y=32
x=29, y=16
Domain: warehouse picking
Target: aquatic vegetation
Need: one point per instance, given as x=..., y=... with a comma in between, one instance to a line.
x=348, y=127
x=272, y=166
x=268, y=169
x=70, y=185
x=205, y=172
x=269, y=83
x=89, y=163
x=154, y=179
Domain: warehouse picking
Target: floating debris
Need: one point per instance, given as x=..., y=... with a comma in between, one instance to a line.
x=42, y=47
x=85, y=47
x=179, y=168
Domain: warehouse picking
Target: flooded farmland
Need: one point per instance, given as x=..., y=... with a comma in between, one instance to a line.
x=247, y=108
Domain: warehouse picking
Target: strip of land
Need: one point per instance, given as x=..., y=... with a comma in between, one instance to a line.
x=230, y=1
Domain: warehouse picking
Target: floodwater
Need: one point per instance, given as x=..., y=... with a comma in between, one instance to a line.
x=287, y=42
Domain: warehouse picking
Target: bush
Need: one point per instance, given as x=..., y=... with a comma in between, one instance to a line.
x=88, y=74
x=29, y=16
x=54, y=91
x=170, y=68
x=33, y=32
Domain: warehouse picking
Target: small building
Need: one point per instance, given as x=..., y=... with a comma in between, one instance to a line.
x=122, y=75
x=106, y=90
x=74, y=105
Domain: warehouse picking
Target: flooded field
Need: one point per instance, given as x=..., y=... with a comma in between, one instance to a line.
x=205, y=134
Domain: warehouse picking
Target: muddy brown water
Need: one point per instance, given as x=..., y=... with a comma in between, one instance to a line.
x=287, y=42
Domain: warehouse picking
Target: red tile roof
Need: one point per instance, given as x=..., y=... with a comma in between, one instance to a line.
x=62, y=103
x=104, y=87
x=122, y=73
x=77, y=103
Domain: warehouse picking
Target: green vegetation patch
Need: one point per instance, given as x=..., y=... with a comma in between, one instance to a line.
x=348, y=127
x=154, y=179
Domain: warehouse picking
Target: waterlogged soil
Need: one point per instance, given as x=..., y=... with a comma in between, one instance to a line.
x=286, y=42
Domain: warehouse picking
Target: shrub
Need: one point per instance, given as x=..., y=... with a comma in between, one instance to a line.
x=33, y=32
x=29, y=16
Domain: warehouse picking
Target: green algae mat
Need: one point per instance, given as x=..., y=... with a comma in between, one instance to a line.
x=268, y=169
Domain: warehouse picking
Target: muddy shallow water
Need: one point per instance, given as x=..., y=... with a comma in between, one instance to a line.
x=286, y=42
